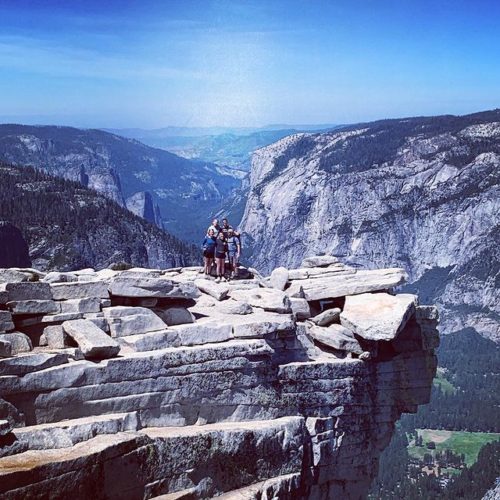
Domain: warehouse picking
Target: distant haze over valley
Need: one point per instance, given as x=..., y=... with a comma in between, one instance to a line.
x=226, y=146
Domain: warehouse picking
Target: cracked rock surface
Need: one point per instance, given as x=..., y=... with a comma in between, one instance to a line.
x=152, y=383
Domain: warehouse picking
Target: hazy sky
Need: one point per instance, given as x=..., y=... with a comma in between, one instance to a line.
x=154, y=63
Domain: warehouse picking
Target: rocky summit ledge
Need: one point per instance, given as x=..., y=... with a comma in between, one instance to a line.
x=151, y=383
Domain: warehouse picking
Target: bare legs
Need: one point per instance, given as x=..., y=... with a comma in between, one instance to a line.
x=220, y=266
x=233, y=265
x=208, y=264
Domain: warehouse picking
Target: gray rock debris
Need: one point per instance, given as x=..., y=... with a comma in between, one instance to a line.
x=92, y=341
x=57, y=277
x=13, y=275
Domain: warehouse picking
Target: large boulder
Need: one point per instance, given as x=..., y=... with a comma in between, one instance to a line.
x=58, y=277
x=218, y=291
x=279, y=278
x=336, y=337
x=235, y=307
x=54, y=337
x=13, y=275
x=32, y=362
x=6, y=323
x=85, y=305
x=352, y=284
x=202, y=332
x=319, y=261
x=33, y=307
x=377, y=316
x=14, y=251
x=92, y=341
x=260, y=324
x=327, y=317
x=19, y=342
x=5, y=349
x=268, y=299
x=319, y=272
x=143, y=286
x=79, y=290
x=28, y=291
x=300, y=307
x=175, y=315
x=125, y=320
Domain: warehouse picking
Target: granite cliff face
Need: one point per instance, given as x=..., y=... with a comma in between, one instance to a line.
x=142, y=204
x=422, y=193
x=119, y=168
x=145, y=382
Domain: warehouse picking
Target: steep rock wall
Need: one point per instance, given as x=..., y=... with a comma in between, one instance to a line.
x=422, y=193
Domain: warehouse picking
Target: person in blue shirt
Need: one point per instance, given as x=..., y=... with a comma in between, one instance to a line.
x=233, y=251
x=209, y=250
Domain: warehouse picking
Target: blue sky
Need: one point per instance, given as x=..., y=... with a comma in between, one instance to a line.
x=154, y=63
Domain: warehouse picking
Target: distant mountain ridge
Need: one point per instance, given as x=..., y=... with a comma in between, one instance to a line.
x=179, y=131
x=120, y=167
x=421, y=193
x=68, y=226
x=225, y=146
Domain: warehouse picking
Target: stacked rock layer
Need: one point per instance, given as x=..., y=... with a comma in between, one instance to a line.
x=145, y=383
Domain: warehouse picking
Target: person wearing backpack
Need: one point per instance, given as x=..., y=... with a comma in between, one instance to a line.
x=233, y=251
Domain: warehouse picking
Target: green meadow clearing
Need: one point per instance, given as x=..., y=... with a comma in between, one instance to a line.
x=468, y=443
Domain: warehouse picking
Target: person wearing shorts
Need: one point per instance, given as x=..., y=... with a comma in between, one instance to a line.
x=233, y=251
x=220, y=256
x=209, y=250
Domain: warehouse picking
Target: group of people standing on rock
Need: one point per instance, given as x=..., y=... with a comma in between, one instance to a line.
x=221, y=242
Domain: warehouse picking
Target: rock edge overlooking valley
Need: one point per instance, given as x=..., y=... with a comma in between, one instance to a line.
x=146, y=382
